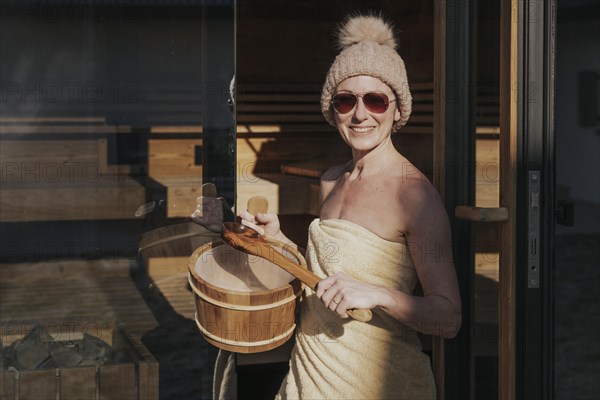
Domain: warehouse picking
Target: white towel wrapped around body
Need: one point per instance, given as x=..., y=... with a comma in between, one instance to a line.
x=336, y=358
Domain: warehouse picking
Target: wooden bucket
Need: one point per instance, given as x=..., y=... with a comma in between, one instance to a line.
x=244, y=304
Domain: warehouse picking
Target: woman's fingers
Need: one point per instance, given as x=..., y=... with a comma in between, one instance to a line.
x=257, y=228
x=329, y=290
x=270, y=222
x=245, y=215
x=340, y=293
x=266, y=219
x=324, y=285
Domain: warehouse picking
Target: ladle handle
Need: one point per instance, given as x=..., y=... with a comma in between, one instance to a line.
x=360, y=314
x=311, y=280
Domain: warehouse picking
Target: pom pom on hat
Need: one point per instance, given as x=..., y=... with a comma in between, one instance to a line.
x=368, y=47
x=364, y=28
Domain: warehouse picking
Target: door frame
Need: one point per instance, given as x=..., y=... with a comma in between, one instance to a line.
x=527, y=44
x=454, y=180
x=528, y=37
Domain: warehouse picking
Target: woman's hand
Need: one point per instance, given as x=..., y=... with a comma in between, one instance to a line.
x=339, y=293
x=268, y=222
x=209, y=213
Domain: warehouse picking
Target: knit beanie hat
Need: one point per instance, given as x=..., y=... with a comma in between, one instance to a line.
x=368, y=48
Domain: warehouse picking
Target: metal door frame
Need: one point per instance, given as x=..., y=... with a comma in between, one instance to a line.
x=527, y=57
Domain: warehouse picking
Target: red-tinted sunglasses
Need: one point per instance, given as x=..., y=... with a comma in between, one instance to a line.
x=375, y=102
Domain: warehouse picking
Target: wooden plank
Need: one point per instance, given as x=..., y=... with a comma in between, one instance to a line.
x=148, y=379
x=38, y=385
x=64, y=129
x=274, y=128
x=275, y=97
x=173, y=157
x=273, y=109
x=286, y=194
x=280, y=118
x=182, y=200
x=271, y=152
x=171, y=283
x=52, y=120
x=255, y=186
x=486, y=265
x=487, y=194
x=419, y=130
x=160, y=267
x=78, y=383
x=315, y=167
x=108, y=198
x=146, y=364
x=111, y=169
x=7, y=384
x=117, y=382
x=310, y=169
x=278, y=88
x=192, y=129
x=173, y=240
x=48, y=160
x=480, y=214
x=487, y=130
x=487, y=160
x=65, y=291
x=511, y=25
x=182, y=194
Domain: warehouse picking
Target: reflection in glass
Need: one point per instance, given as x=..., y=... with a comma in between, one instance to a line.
x=102, y=159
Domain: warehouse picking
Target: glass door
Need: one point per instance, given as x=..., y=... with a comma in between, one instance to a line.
x=494, y=142
x=112, y=116
x=577, y=239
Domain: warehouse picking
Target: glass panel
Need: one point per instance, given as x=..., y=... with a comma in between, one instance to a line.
x=487, y=187
x=102, y=153
x=577, y=247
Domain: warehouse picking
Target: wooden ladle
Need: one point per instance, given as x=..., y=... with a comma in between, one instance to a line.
x=248, y=240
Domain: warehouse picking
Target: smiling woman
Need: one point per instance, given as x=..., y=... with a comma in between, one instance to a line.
x=380, y=215
x=369, y=122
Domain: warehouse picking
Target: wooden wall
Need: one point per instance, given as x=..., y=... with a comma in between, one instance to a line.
x=294, y=42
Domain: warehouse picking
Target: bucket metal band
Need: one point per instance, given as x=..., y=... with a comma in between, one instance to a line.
x=241, y=343
x=242, y=307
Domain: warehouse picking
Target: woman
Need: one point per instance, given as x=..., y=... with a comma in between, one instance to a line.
x=382, y=229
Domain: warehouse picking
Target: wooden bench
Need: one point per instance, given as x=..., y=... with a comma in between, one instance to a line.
x=59, y=169
x=283, y=146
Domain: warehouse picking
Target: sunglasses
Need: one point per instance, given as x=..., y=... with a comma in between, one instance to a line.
x=374, y=102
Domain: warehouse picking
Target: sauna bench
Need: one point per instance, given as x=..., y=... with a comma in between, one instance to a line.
x=107, y=197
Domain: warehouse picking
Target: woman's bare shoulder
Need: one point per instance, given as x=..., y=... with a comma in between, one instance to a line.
x=421, y=202
x=332, y=174
x=330, y=178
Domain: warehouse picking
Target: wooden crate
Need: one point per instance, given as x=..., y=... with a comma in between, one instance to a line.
x=136, y=378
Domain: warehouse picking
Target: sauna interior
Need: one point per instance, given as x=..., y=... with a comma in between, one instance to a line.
x=102, y=158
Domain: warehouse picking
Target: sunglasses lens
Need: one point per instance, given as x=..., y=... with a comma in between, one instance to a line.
x=344, y=102
x=376, y=102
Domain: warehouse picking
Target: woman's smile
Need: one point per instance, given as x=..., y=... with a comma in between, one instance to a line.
x=361, y=130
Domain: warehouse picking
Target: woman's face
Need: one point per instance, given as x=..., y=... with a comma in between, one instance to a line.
x=361, y=129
